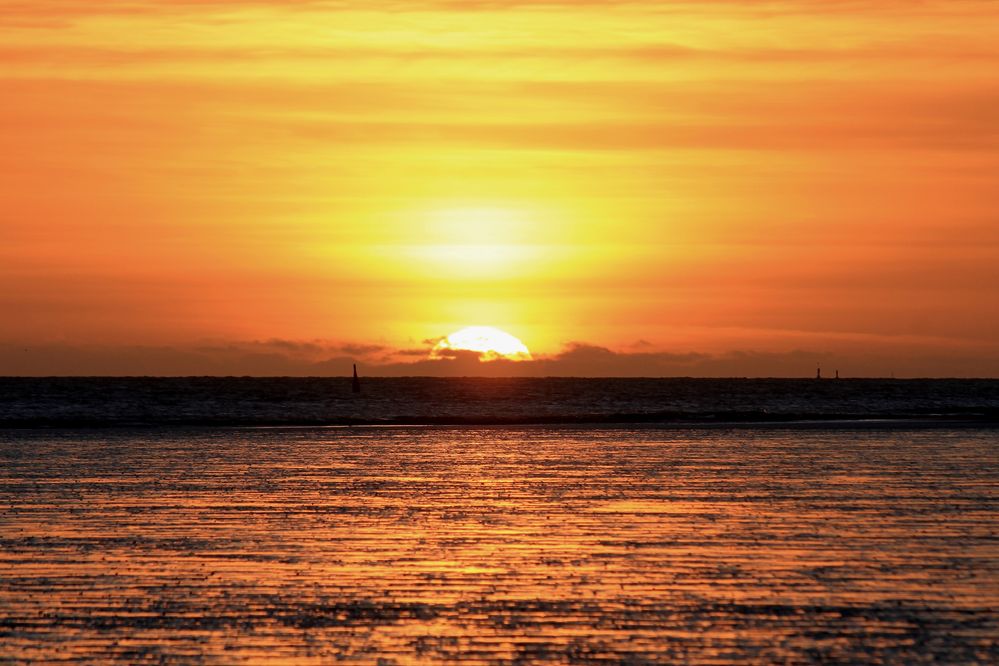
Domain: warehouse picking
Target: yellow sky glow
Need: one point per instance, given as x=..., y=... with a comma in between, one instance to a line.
x=686, y=177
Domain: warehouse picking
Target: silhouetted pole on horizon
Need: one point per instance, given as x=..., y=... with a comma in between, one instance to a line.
x=355, y=385
x=818, y=372
x=837, y=374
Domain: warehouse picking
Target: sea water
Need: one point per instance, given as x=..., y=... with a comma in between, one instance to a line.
x=109, y=401
x=489, y=545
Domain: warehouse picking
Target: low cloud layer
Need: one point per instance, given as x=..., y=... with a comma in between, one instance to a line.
x=290, y=358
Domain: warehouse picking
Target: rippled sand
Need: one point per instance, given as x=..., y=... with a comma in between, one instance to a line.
x=500, y=545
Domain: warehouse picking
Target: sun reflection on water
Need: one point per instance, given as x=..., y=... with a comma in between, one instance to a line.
x=498, y=545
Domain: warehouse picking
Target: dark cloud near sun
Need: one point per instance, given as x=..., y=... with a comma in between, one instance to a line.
x=414, y=352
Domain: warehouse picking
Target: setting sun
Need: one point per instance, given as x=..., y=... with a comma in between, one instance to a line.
x=491, y=344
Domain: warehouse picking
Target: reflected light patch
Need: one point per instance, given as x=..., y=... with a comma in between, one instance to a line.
x=491, y=344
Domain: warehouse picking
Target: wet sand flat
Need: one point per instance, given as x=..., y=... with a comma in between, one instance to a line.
x=500, y=545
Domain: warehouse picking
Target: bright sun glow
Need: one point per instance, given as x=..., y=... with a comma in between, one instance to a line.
x=491, y=343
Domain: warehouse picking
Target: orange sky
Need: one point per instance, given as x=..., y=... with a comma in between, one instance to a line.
x=790, y=180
